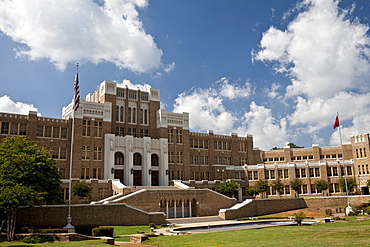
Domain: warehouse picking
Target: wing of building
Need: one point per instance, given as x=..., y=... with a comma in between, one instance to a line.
x=122, y=135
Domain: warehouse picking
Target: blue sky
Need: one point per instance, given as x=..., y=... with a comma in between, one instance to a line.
x=279, y=70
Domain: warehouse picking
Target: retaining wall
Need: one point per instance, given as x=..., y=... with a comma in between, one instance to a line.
x=118, y=214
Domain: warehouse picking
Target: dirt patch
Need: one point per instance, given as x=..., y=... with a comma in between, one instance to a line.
x=309, y=212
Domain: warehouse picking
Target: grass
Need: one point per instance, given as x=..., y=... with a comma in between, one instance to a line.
x=333, y=234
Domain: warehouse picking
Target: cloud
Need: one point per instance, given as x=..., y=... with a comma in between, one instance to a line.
x=273, y=91
x=206, y=110
x=232, y=91
x=267, y=131
x=65, y=31
x=9, y=106
x=322, y=51
x=143, y=87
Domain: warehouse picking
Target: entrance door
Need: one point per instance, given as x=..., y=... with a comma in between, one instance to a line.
x=155, y=178
x=118, y=174
x=137, y=177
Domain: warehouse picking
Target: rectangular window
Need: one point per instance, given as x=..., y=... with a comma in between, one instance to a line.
x=63, y=154
x=286, y=173
x=86, y=126
x=179, y=157
x=255, y=175
x=5, y=128
x=178, y=136
x=63, y=133
x=120, y=131
x=56, y=132
x=98, y=129
x=170, y=133
x=85, y=173
x=55, y=153
x=97, y=153
x=40, y=130
x=287, y=189
x=23, y=129
x=85, y=152
x=47, y=132
x=14, y=129
x=170, y=157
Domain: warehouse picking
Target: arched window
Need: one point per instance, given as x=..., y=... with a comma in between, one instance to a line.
x=121, y=114
x=117, y=113
x=118, y=159
x=129, y=115
x=155, y=160
x=137, y=159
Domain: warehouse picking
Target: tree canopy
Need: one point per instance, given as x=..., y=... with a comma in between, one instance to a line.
x=27, y=176
x=290, y=144
x=228, y=188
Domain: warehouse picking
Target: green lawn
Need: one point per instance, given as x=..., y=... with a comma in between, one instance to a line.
x=333, y=234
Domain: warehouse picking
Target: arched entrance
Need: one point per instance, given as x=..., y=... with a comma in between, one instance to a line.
x=119, y=162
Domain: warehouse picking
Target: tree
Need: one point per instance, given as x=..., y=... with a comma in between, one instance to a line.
x=298, y=217
x=262, y=186
x=81, y=189
x=292, y=145
x=321, y=186
x=351, y=184
x=278, y=186
x=253, y=190
x=27, y=176
x=296, y=185
x=228, y=188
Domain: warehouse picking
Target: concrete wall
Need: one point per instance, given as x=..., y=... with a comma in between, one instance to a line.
x=270, y=206
x=262, y=207
x=204, y=202
x=100, y=215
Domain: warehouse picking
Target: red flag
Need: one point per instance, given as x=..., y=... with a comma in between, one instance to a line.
x=336, y=123
x=77, y=93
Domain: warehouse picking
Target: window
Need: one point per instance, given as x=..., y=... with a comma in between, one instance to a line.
x=63, y=133
x=4, y=128
x=56, y=132
x=314, y=172
x=252, y=175
x=97, y=153
x=63, y=154
x=179, y=157
x=23, y=129
x=47, y=131
x=118, y=159
x=270, y=174
x=55, y=153
x=171, y=157
x=86, y=125
x=170, y=134
x=300, y=173
x=97, y=173
x=137, y=159
x=40, y=130
x=14, y=129
x=283, y=174
x=85, y=173
x=85, y=152
x=98, y=130
x=120, y=131
x=178, y=136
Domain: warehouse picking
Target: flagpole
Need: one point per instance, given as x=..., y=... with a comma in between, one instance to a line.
x=349, y=208
x=76, y=99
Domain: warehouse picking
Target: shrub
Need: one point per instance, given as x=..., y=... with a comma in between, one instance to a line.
x=33, y=239
x=103, y=231
x=329, y=212
x=47, y=230
x=299, y=217
x=152, y=225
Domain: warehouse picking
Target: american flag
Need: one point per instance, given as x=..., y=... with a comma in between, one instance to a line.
x=77, y=93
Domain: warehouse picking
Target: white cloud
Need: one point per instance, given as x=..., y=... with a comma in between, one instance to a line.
x=143, y=87
x=318, y=113
x=206, y=110
x=232, y=91
x=9, y=106
x=267, y=131
x=322, y=50
x=272, y=92
x=65, y=31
